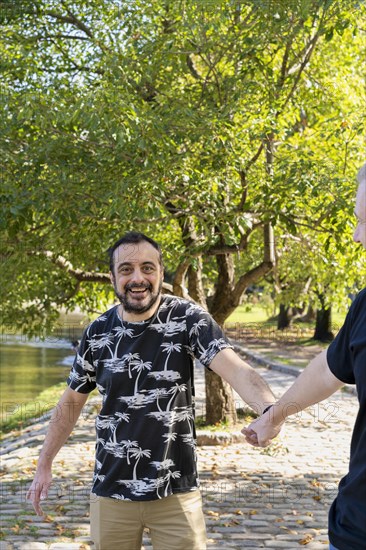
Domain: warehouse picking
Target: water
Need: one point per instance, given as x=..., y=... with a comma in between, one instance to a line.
x=28, y=368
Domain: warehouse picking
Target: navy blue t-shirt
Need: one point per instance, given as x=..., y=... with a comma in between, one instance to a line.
x=347, y=360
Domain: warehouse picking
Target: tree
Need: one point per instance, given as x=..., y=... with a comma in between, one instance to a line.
x=181, y=119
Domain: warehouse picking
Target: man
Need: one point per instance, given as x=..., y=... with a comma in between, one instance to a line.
x=140, y=355
x=343, y=362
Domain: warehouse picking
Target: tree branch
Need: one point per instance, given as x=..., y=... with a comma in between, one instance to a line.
x=179, y=276
x=71, y=19
x=78, y=274
x=244, y=186
x=301, y=67
x=192, y=68
x=254, y=158
x=261, y=269
x=61, y=35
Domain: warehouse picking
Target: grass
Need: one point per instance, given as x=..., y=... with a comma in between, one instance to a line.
x=286, y=360
x=248, y=313
x=257, y=314
x=251, y=322
x=22, y=415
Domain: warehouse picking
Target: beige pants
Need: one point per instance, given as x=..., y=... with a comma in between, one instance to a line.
x=175, y=523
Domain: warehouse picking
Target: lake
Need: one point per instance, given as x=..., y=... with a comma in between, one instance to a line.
x=29, y=367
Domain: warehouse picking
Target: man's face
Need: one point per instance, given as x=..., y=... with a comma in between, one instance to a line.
x=359, y=235
x=137, y=277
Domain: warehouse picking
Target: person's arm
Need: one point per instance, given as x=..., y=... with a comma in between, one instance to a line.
x=314, y=384
x=244, y=379
x=63, y=420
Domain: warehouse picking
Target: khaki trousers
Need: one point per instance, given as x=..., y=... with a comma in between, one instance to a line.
x=175, y=522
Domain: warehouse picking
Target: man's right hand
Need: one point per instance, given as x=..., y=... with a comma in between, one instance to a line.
x=261, y=432
x=39, y=490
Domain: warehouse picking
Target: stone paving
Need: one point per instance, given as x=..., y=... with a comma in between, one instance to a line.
x=253, y=498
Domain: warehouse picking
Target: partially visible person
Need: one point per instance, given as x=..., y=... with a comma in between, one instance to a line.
x=75, y=345
x=343, y=362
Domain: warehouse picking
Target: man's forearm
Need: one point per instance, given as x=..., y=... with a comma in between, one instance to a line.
x=313, y=385
x=62, y=422
x=251, y=387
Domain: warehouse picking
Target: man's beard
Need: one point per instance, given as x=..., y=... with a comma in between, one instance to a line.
x=136, y=307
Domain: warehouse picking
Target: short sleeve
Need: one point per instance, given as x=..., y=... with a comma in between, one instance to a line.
x=82, y=374
x=339, y=354
x=206, y=337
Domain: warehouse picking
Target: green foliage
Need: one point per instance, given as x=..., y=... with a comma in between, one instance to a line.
x=160, y=116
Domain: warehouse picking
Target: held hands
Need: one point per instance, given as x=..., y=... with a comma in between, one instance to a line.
x=39, y=490
x=262, y=430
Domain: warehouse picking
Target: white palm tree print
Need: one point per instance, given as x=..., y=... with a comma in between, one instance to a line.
x=170, y=475
x=115, y=449
x=120, y=497
x=140, y=367
x=211, y=350
x=169, y=375
x=137, y=401
x=84, y=363
x=104, y=340
x=121, y=332
x=169, y=347
x=131, y=359
x=157, y=394
x=177, y=388
x=169, y=329
x=106, y=421
x=76, y=377
x=128, y=445
x=195, y=330
x=164, y=465
x=115, y=365
x=138, y=454
x=170, y=436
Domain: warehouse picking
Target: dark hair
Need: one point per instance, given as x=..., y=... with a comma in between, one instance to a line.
x=133, y=237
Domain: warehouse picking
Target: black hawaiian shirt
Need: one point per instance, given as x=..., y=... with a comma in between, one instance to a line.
x=146, y=441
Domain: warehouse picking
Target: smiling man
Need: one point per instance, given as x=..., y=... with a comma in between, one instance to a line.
x=136, y=273
x=140, y=355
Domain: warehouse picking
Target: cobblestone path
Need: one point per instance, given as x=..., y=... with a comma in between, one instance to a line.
x=253, y=498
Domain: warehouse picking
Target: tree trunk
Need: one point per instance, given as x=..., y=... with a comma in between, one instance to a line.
x=309, y=316
x=195, y=287
x=283, y=319
x=323, y=325
x=220, y=405
x=228, y=293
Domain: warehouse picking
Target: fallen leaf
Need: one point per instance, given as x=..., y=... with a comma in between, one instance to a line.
x=212, y=513
x=306, y=540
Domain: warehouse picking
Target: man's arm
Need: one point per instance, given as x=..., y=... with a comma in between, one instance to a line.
x=63, y=420
x=314, y=384
x=244, y=379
